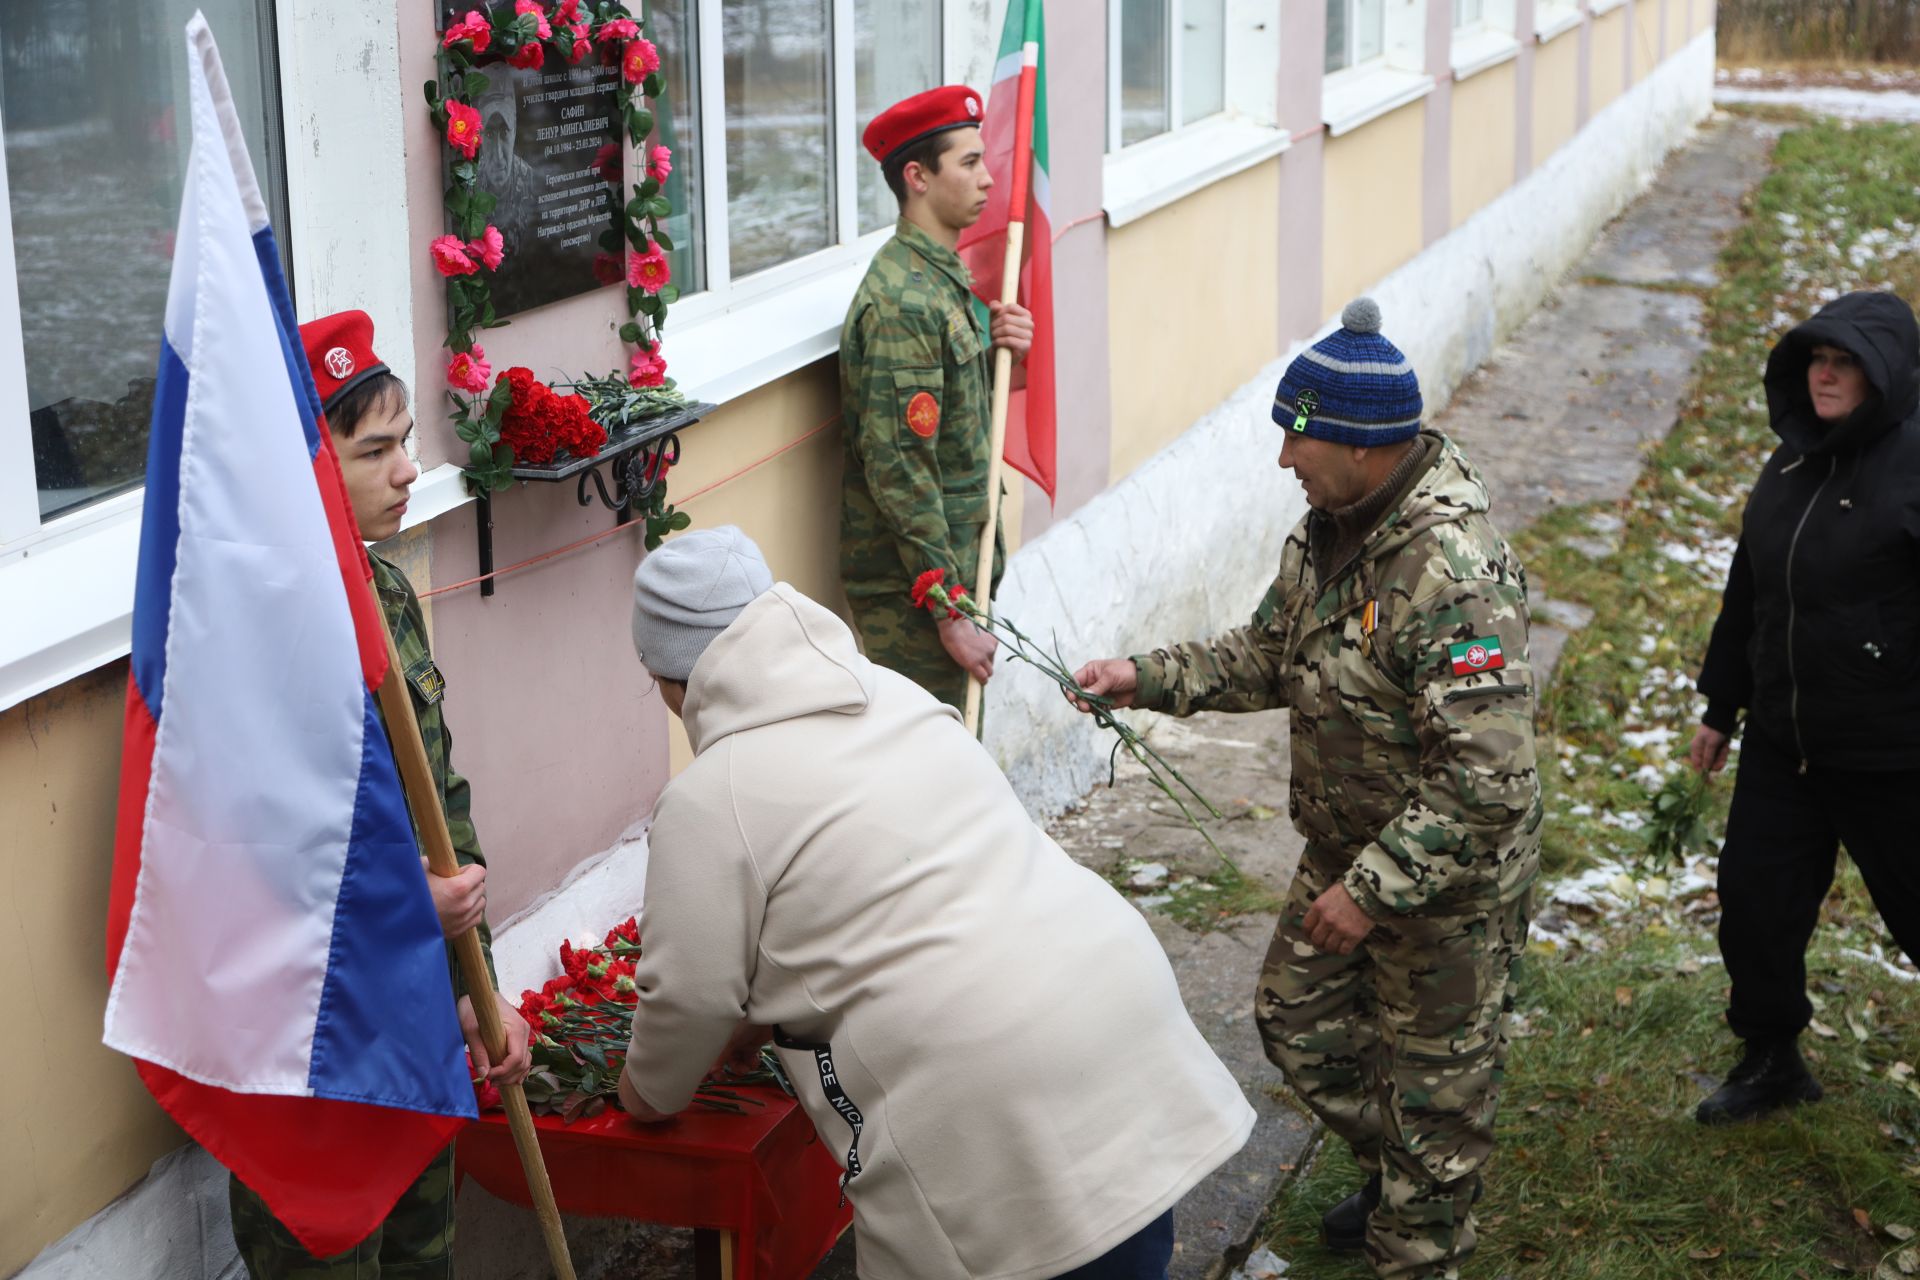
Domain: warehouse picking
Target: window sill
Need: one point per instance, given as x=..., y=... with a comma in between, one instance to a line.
x=1550, y=24
x=1598, y=7
x=1481, y=50
x=70, y=604
x=1360, y=95
x=1151, y=175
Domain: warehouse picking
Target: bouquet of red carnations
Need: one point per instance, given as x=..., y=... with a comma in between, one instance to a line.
x=580, y=1024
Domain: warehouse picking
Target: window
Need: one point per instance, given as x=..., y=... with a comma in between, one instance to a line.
x=94, y=117
x=767, y=99
x=1356, y=32
x=1468, y=13
x=1167, y=66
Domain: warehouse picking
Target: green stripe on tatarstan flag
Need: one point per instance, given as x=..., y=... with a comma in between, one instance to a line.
x=1482, y=654
x=1022, y=59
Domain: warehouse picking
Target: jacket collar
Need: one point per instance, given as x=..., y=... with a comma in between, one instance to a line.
x=938, y=256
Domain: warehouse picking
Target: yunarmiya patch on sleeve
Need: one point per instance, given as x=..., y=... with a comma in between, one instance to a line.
x=923, y=415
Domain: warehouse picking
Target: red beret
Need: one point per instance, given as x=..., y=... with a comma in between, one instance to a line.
x=952, y=106
x=340, y=352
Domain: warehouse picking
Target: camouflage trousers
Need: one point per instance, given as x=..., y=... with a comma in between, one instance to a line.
x=1400, y=1048
x=901, y=638
x=415, y=1241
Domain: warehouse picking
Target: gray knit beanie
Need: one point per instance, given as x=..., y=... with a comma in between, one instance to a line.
x=689, y=591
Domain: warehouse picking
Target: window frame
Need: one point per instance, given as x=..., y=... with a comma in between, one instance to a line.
x=1486, y=41
x=724, y=294
x=1359, y=94
x=1174, y=68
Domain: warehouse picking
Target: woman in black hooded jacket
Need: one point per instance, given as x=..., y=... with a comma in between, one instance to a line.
x=1818, y=641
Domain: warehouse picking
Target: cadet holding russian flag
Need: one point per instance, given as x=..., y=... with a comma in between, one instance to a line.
x=1396, y=632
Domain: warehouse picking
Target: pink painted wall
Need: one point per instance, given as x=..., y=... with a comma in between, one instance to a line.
x=553, y=719
x=1436, y=191
x=1076, y=88
x=1523, y=29
x=1303, y=35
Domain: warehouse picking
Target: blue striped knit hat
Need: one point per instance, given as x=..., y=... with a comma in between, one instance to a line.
x=1352, y=386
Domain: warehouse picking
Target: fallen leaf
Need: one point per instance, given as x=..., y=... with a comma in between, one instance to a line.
x=1706, y=1255
x=1898, y=1232
x=1822, y=1030
x=1908, y=1260
x=1623, y=996
x=1864, y=1219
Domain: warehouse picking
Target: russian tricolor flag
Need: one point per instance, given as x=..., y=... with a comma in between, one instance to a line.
x=278, y=971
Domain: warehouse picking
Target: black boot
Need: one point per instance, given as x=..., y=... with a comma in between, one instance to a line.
x=1343, y=1228
x=1770, y=1074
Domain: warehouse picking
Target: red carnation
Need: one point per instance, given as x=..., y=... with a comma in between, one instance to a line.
x=925, y=583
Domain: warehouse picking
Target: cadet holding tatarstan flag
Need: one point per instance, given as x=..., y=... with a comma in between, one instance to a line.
x=916, y=386
x=1397, y=633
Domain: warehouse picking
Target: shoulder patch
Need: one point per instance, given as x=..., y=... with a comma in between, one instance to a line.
x=923, y=415
x=1479, y=654
x=427, y=681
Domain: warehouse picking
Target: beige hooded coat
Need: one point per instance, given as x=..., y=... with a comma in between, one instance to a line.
x=844, y=862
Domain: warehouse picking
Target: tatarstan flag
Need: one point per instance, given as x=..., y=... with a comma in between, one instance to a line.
x=1017, y=97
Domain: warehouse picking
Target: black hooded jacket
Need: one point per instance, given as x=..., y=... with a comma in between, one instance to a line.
x=1819, y=630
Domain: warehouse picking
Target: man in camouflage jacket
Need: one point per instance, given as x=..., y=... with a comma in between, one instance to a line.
x=916, y=366
x=1396, y=632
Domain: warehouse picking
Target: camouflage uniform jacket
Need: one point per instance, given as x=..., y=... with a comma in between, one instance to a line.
x=916, y=376
x=426, y=686
x=1414, y=776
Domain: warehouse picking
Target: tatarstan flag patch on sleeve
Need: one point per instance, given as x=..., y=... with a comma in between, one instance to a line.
x=1482, y=654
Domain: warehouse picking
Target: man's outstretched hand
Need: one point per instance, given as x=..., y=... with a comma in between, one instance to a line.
x=1115, y=679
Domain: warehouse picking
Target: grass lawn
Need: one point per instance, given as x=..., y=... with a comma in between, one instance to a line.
x=1601, y=1171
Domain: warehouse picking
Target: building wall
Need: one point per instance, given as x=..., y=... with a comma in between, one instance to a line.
x=1556, y=94
x=1373, y=180
x=1190, y=308
x=1483, y=124
x=1678, y=28
x=1645, y=37
x=76, y=1125
x=1606, y=66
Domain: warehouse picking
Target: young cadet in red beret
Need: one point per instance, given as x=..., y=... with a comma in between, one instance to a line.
x=916, y=377
x=367, y=413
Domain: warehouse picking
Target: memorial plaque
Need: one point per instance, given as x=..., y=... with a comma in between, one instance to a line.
x=550, y=154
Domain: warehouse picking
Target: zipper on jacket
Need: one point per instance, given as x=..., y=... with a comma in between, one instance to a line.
x=1793, y=676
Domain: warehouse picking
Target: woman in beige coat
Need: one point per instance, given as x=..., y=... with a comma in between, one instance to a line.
x=988, y=1036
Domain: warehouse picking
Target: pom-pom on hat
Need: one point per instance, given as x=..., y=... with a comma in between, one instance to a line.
x=952, y=106
x=340, y=352
x=689, y=590
x=1352, y=386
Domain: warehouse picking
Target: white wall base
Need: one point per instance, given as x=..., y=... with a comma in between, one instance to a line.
x=1185, y=546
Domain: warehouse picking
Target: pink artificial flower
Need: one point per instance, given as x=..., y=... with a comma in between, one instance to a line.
x=582, y=43
x=608, y=161
x=660, y=164
x=469, y=371
x=474, y=27
x=618, y=29
x=606, y=268
x=567, y=11
x=648, y=370
x=531, y=57
x=641, y=61
x=544, y=31
x=463, y=129
x=490, y=248
x=649, y=271
x=450, y=256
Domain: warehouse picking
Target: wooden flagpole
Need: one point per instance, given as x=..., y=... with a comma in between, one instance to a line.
x=1018, y=186
x=423, y=798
